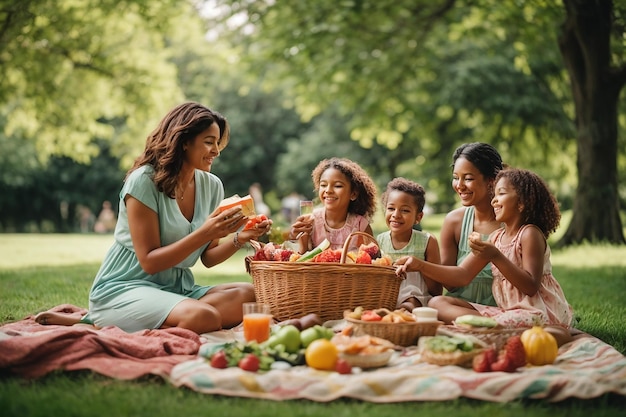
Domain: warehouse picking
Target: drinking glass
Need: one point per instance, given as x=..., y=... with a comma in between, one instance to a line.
x=306, y=207
x=256, y=322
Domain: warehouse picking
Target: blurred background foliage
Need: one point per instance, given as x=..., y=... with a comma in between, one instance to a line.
x=395, y=85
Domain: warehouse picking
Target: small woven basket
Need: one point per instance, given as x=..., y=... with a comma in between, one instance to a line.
x=294, y=289
x=458, y=358
x=368, y=361
x=496, y=337
x=401, y=334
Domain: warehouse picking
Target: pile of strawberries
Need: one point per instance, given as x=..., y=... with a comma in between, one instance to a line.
x=509, y=359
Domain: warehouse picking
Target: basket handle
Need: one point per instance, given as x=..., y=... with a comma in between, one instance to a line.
x=346, y=244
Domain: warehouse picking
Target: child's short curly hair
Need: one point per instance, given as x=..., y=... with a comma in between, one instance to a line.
x=540, y=205
x=365, y=203
x=406, y=186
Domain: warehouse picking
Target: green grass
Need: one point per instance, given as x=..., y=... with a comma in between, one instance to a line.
x=40, y=271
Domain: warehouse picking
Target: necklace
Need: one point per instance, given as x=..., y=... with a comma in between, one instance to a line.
x=182, y=194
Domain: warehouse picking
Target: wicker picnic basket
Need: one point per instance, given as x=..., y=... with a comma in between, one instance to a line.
x=294, y=289
x=402, y=334
x=496, y=337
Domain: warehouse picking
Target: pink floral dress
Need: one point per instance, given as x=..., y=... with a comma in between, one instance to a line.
x=336, y=237
x=515, y=309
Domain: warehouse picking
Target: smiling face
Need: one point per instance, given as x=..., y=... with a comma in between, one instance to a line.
x=203, y=149
x=469, y=183
x=506, y=203
x=401, y=212
x=335, y=190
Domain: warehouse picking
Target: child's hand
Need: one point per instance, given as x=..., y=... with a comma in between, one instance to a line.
x=407, y=264
x=483, y=249
x=302, y=226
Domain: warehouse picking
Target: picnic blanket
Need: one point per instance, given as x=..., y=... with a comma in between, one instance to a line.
x=586, y=367
x=32, y=350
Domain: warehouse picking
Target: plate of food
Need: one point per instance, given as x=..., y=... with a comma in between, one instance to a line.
x=449, y=350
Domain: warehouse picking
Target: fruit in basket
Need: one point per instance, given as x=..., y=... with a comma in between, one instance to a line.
x=328, y=255
x=540, y=346
x=306, y=257
x=371, y=248
x=370, y=315
x=363, y=257
x=321, y=354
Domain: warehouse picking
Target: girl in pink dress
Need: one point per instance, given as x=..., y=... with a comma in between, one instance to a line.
x=524, y=288
x=348, y=195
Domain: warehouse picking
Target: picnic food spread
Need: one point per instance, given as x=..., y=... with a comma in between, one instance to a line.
x=372, y=332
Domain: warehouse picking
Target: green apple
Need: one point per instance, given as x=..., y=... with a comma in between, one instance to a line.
x=324, y=332
x=289, y=336
x=308, y=335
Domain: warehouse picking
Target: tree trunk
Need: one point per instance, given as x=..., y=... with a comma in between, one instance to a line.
x=585, y=47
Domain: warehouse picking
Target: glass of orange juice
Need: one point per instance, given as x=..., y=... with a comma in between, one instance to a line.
x=256, y=322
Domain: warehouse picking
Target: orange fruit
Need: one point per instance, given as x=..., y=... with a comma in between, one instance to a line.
x=321, y=354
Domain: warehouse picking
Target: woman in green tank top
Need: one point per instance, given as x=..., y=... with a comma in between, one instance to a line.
x=474, y=169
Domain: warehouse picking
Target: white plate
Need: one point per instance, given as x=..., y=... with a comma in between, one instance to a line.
x=336, y=325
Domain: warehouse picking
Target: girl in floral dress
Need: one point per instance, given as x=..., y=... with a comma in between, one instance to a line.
x=524, y=288
x=348, y=195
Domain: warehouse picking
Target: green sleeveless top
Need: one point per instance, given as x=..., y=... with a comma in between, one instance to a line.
x=479, y=290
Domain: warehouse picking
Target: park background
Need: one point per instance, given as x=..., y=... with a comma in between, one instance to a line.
x=393, y=85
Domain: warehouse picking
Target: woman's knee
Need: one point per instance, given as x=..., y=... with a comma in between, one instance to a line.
x=196, y=316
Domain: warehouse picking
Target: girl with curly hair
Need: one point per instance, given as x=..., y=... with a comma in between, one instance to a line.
x=348, y=197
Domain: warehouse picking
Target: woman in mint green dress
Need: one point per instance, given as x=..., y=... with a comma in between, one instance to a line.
x=474, y=169
x=167, y=221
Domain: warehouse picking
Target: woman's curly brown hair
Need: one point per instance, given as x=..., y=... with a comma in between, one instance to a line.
x=540, y=205
x=164, y=146
x=365, y=203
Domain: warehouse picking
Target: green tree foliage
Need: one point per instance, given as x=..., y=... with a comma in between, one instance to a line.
x=69, y=67
x=435, y=74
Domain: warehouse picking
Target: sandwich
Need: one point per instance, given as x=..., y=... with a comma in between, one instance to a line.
x=246, y=203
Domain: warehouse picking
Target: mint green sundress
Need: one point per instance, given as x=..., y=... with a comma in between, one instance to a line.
x=123, y=294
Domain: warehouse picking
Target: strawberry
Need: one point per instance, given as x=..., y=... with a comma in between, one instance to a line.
x=363, y=258
x=343, y=367
x=483, y=361
x=249, y=363
x=511, y=357
x=219, y=360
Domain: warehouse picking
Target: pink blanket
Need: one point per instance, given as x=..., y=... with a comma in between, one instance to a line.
x=32, y=350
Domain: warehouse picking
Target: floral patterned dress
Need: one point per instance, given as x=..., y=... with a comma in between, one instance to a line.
x=515, y=309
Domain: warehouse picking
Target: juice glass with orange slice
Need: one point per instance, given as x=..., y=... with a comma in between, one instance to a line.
x=256, y=322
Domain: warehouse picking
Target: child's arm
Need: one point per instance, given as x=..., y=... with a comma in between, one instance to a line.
x=526, y=278
x=432, y=255
x=449, y=276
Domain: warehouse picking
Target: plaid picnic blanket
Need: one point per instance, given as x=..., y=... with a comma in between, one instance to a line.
x=585, y=368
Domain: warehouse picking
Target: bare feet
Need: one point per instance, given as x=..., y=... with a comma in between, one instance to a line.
x=63, y=319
